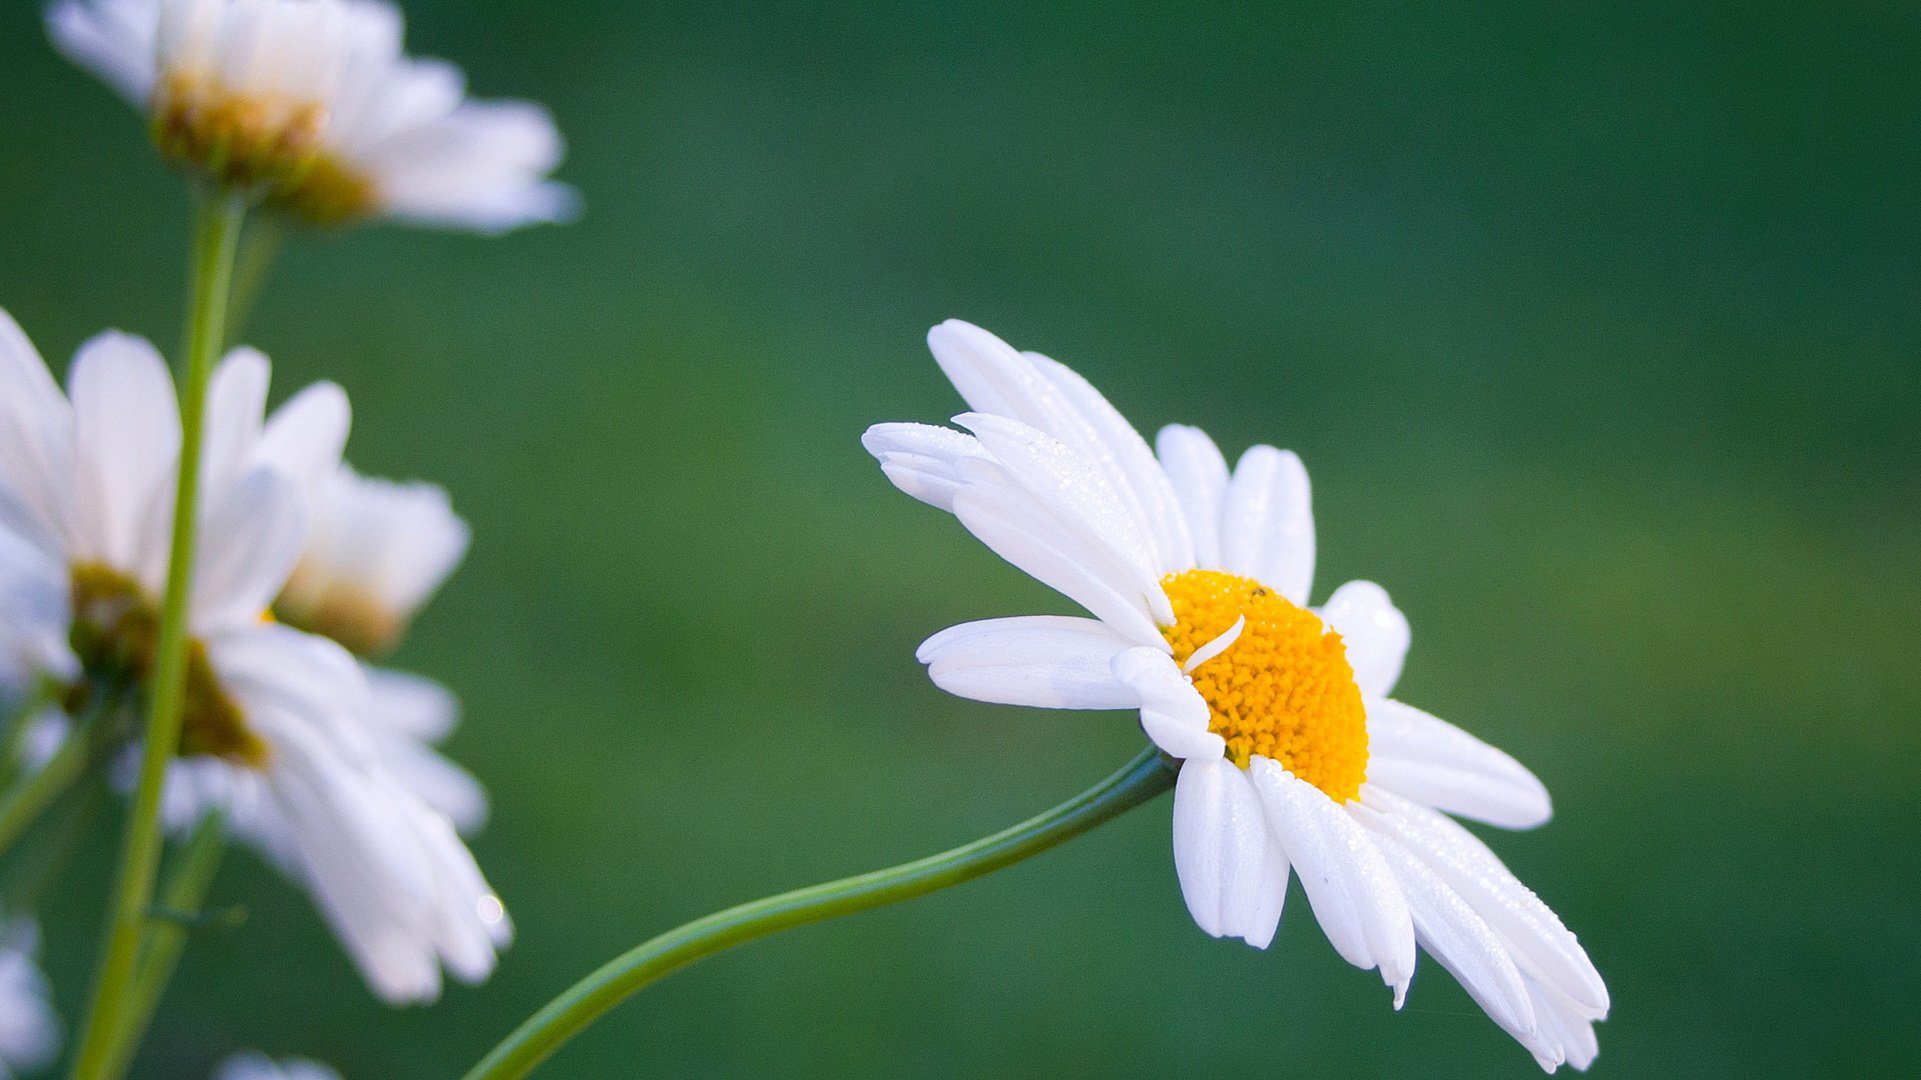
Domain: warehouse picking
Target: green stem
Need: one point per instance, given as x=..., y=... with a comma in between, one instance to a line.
x=218, y=229
x=191, y=874
x=258, y=248
x=569, y=1014
x=37, y=698
x=30, y=795
x=24, y=802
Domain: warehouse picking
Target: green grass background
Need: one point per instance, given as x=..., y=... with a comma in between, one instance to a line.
x=1598, y=325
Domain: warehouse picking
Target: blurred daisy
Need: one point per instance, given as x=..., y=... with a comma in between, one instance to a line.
x=375, y=553
x=276, y=729
x=1292, y=754
x=315, y=105
x=29, y=1033
x=253, y=1065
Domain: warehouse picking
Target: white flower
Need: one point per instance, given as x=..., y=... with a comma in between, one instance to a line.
x=253, y=1065
x=1292, y=754
x=277, y=728
x=316, y=103
x=377, y=550
x=29, y=1032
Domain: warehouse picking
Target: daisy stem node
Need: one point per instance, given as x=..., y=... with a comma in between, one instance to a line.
x=1139, y=781
x=217, y=232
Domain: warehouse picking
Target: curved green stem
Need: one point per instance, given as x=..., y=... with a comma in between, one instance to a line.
x=568, y=1015
x=218, y=230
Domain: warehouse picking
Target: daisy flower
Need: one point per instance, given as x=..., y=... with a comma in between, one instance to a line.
x=29, y=1033
x=1292, y=755
x=376, y=552
x=253, y=1065
x=315, y=105
x=276, y=728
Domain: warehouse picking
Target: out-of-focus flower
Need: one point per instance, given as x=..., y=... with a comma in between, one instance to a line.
x=375, y=553
x=1292, y=754
x=29, y=1032
x=253, y=1065
x=315, y=106
x=276, y=730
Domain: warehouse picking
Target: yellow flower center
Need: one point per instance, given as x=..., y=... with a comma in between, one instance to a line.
x=115, y=630
x=1283, y=689
x=271, y=146
x=353, y=617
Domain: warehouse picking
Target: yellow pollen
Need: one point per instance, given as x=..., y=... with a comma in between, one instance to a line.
x=1283, y=690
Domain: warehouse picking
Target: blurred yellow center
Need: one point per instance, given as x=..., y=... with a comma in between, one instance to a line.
x=1283, y=689
x=115, y=631
x=268, y=145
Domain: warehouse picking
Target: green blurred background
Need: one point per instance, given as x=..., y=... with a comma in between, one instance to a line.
x=1598, y=325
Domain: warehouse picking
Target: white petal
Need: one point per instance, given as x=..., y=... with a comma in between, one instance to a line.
x=995, y=379
x=481, y=166
x=1054, y=553
x=1348, y=883
x=1173, y=713
x=236, y=401
x=36, y=444
x=412, y=705
x=1541, y=945
x=1432, y=762
x=1198, y=473
x=305, y=436
x=113, y=39
x=252, y=1065
x=428, y=776
x=253, y=535
x=1265, y=917
x=921, y=459
x=1451, y=932
x=1073, y=485
x=1267, y=524
x=1221, y=849
x=1565, y=1030
x=127, y=438
x=1045, y=661
x=1129, y=461
x=1375, y=631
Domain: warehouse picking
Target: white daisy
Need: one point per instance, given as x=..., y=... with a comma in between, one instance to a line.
x=29, y=1032
x=315, y=103
x=375, y=553
x=1291, y=753
x=276, y=729
x=253, y=1065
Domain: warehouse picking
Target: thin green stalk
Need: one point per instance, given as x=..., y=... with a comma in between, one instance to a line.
x=30, y=795
x=24, y=802
x=259, y=246
x=569, y=1014
x=188, y=879
x=218, y=230
x=29, y=706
